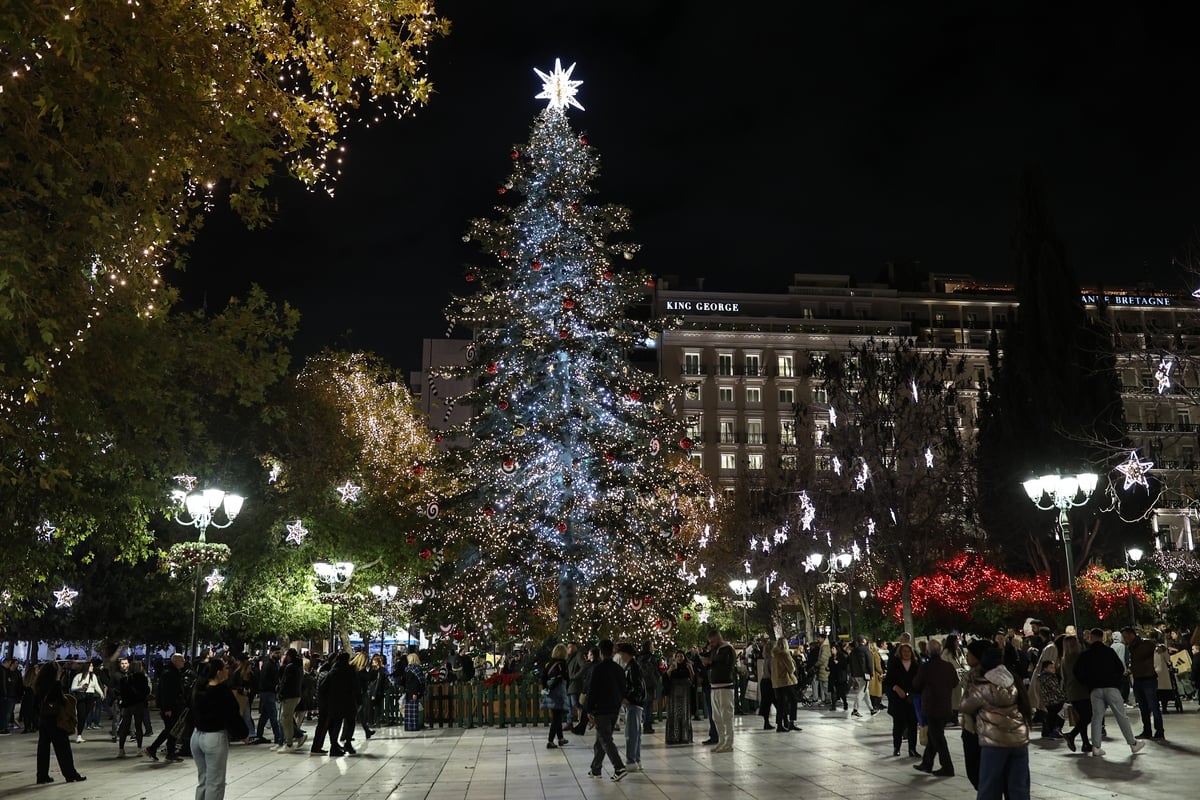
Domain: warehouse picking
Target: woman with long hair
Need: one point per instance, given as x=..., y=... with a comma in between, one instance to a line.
x=86, y=688
x=898, y=685
x=362, y=687
x=554, y=681
x=50, y=698
x=679, y=682
x=783, y=683
x=216, y=717
x=414, y=690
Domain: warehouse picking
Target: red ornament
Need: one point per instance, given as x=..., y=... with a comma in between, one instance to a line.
x=470, y=276
x=488, y=511
x=650, y=282
x=492, y=368
x=437, y=438
x=568, y=303
x=410, y=539
x=583, y=140
x=502, y=405
x=418, y=469
x=536, y=266
x=512, y=628
x=562, y=527
x=647, y=599
x=608, y=274
x=574, y=206
x=515, y=155
x=635, y=395
x=687, y=617
x=609, y=457
x=504, y=254
x=501, y=190
x=679, y=557
x=458, y=635
x=675, y=529
x=685, y=443
x=426, y=553
x=564, y=334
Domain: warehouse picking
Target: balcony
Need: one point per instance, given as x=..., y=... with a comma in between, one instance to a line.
x=1160, y=427
x=695, y=370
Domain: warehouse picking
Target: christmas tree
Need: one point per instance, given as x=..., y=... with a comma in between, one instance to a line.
x=577, y=510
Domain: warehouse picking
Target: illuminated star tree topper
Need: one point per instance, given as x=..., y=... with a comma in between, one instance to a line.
x=558, y=88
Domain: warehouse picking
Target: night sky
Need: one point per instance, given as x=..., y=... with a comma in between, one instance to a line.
x=754, y=142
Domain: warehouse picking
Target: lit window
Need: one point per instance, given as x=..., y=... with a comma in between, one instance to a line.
x=754, y=431
x=728, y=461
x=725, y=364
x=787, y=396
x=725, y=394
x=752, y=365
x=754, y=461
x=786, y=366
x=753, y=394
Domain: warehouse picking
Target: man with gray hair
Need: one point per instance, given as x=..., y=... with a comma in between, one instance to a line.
x=861, y=668
x=935, y=682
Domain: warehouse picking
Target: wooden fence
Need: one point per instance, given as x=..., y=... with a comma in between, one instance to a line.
x=472, y=705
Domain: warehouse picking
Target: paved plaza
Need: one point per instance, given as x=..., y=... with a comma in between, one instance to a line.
x=833, y=757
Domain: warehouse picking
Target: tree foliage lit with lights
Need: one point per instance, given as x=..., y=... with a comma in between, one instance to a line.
x=896, y=437
x=124, y=121
x=579, y=509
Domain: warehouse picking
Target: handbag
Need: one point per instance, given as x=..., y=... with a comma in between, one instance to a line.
x=68, y=714
x=923, y=735
x=180, y=726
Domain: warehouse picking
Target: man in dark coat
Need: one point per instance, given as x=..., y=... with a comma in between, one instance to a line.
x=338, y=694
x=936, y=681
x=604, y=696
x=171, y=703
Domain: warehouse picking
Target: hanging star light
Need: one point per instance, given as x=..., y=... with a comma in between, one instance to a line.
x=833, y=416
x=703, y=617
x=928, y=458
x=276, y=469
x=64, y=597
x=746, y=564
x=766, y=545
x=784, y=589
x=753, y=544
x=692, y=578
x=808, y=512
x=213, y=581
x=1135, y=470
x=837, y=466
x=558, y=88
x=349, y=492
x=296, y=532
x=1163, y=375
x=188, y=482
x=864, y=475
x=870, y=527
x=702, y=570
x=45, y=531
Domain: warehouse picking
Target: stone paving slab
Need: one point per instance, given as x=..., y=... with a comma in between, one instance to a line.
x=833, y=758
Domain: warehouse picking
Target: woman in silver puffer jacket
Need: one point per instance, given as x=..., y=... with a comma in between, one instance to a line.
x=1001, y=711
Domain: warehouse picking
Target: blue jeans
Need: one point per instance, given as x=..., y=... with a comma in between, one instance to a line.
x=210, y=751
x=268, y=710
x=633, y=734
x=1146, y=692
x=1109, y=698
x=1003, y=771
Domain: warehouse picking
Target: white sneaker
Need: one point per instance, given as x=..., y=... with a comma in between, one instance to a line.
x=1096, y=751
x=633, y=766
x=1137, y=747
x=78, y=739
x=275, y=748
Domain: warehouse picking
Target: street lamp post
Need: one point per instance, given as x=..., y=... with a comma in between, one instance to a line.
x=335, y=575
x=1062, y=492
x=837, y=562
x=1132, y=556
x=744, y=589
x=201, y=508
x=385, y=594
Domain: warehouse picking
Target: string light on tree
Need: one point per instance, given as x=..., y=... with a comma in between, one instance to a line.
x=1135, y=471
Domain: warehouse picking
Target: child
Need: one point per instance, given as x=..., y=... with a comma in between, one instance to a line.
x=1052, y=697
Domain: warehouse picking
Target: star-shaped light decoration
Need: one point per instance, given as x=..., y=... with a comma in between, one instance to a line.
x=864, y=475
x=833, y=416
x=928, y=458
x=837, y=466
x=1163, y=375
x=753, y=544
x=349, y=492
x=784, y=589
x=746, y=564
x=558, y=88
x=870, y=527
x=296, y=532
x=188, y=482
x=766, y=545
x=45, y=531
x=1135, y=471
x=692, y=578
x=276, y=471
x=780, y=535
x=702, y=571
x=808, y=512
x=703, y=617
x=64, y=597
x=213, y=581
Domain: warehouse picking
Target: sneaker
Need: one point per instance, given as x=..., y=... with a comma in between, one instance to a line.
x=349, y=748
x=150, y=754
x=619, y=774
x=562, y=742
x=302, y=737
x=1159, y=735
x=874, y=711
x=275, y=748
x=1137, y=747
x=634, y=767
x=78, y=739
x=1143, y=735
x=723, y=748
x=855, y=713
x=551, y=746
x=336, y=752
x=318, y=752
x=596, y=775
x=1096, y=751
